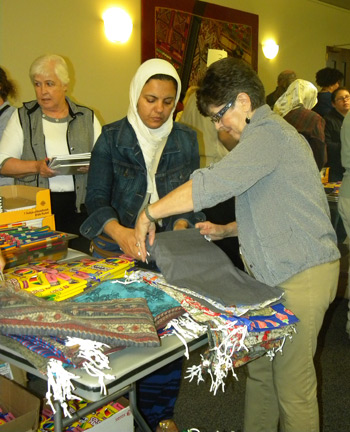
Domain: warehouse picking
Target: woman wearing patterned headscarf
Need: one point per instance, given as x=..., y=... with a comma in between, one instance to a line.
x=295, y=106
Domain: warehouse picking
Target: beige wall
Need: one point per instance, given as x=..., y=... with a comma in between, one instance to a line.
x=101, y=71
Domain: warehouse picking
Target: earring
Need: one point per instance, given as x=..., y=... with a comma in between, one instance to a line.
x=247, y=120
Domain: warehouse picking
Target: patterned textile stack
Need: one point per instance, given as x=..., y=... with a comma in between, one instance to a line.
x=199, y=291
x=236, y=334
x=53, y=335
x=24, y=319
x=80, y=332
x=109, y=311
x=243, y=317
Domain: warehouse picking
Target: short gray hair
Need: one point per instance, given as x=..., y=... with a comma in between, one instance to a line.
x=40, y=67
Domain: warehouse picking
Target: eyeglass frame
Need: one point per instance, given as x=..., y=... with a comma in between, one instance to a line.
x=215, y=118
x=342, y=98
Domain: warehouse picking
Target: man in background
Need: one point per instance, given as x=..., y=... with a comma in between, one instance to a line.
x=284, y=79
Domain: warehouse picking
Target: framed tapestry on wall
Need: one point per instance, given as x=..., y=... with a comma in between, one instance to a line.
x=182, y=31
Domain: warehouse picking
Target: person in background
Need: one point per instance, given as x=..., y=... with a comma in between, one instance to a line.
x=295, y=106
x=344, y=191
x=334, y=120
x=213, y=146
x=48, y=126
x=7, y=88
x=329, y=79
x=135, y=161
x=284, y=79
x=284, y=229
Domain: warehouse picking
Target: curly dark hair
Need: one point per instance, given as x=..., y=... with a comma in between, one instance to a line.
x=7, y=87
x=328, y=76
x=224, y=80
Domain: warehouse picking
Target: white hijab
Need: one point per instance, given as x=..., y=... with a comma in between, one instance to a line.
x=300, y=93
x=151, y=141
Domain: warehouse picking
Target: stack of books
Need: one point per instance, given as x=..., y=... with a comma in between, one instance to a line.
x=70, y=164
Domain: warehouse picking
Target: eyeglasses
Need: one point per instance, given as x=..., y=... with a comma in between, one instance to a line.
x=218, y=116
x=343, y=98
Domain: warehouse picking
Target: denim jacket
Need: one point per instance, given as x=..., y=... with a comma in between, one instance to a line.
x=117, y=180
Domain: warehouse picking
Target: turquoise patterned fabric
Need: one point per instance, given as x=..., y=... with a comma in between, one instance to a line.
x=158, y=301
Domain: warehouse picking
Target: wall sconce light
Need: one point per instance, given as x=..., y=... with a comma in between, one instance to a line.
x=118, y=25
x=270, y=49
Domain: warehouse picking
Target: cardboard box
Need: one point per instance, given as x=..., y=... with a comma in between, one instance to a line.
x=25, y=203
x=6, y=371
x=23, y=405
x=14, y=373
x=122, y=421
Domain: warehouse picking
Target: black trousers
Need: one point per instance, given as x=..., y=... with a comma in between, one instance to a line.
x=68, y=220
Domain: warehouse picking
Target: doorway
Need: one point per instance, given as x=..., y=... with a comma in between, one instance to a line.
x=339, y=58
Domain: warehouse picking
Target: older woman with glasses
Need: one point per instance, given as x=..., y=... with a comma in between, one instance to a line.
x=284, y=230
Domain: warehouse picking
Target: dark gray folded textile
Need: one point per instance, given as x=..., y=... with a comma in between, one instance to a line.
x=186, y=259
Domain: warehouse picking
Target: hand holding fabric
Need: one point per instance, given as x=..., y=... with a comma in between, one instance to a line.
x=217, y=232
x=143, y=227
x=125, y=237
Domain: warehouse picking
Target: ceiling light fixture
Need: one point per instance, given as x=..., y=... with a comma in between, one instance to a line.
x=118, y=25
x=270, y=49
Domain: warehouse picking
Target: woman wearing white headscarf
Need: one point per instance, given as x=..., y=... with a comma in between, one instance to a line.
x=295, y=106
x=137, y=160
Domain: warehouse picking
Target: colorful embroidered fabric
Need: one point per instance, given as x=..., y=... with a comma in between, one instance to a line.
x=39, y=349
x=121, y=322
x=39, y=354
x=233, y=340
x=269, y=318
x=45, y=347
x=162, y=306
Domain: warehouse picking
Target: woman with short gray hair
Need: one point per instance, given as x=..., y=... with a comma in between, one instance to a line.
x=49, y=126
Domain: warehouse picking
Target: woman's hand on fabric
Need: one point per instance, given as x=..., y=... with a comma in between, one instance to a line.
x=217, y=232
x=125, y=237
x=128, y=244
x=180, y=224
x=143, y=227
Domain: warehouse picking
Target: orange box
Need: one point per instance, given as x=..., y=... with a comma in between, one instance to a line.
x=24, y=203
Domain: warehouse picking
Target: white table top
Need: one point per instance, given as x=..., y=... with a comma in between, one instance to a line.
x=127, y=365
